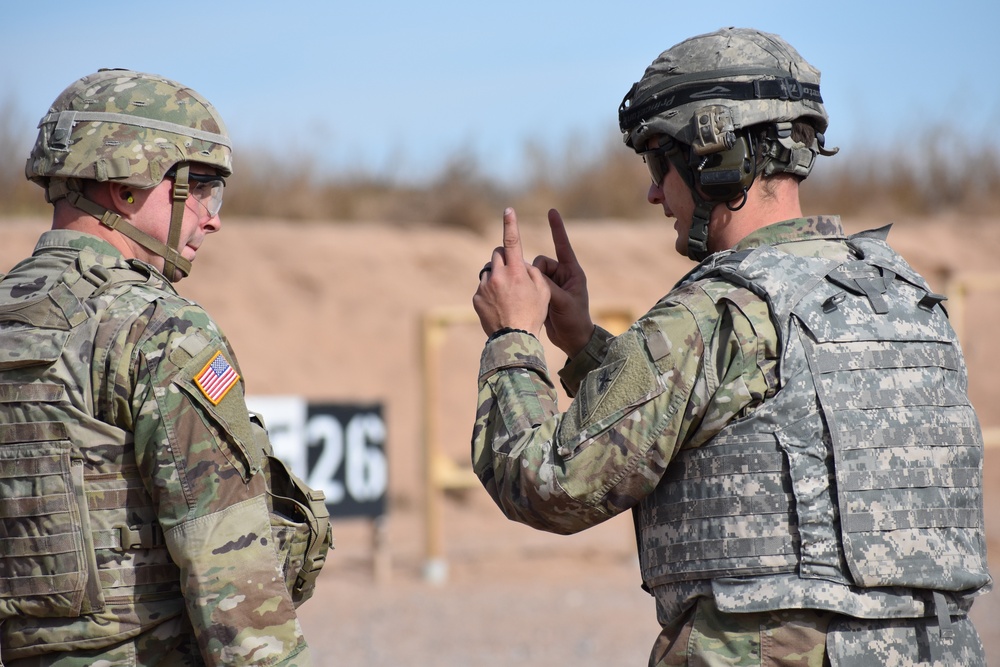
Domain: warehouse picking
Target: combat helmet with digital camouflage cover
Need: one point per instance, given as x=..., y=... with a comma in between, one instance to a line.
x=723, y=106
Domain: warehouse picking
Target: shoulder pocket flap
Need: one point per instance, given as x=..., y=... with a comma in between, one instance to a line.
x=627, y=378
x=213, y=384
x=30, y=347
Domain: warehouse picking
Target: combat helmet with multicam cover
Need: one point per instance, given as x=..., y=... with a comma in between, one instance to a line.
x=133, y=128
x=700, y=98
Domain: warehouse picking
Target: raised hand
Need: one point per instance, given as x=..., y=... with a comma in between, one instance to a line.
x=511, y=293
x=568, y=323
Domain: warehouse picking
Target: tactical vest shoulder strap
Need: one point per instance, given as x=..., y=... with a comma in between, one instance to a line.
x=95, y=287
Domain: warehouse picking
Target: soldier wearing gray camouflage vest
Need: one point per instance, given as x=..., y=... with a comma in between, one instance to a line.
x=143, y=519
x=789, y=425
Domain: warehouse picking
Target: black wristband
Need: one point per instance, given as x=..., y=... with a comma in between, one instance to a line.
x=507, y=330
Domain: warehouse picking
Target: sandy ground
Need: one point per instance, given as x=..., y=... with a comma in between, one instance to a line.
x=333, y=313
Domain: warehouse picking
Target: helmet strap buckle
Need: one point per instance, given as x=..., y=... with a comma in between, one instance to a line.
x=697, y=248
x=61, y=137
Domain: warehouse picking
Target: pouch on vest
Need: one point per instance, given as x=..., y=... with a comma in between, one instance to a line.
x=47, y=568
x=300, y=521
x=47, y=563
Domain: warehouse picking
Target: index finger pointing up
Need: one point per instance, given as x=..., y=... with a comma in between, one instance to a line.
x=512, y=238
x=560, y=239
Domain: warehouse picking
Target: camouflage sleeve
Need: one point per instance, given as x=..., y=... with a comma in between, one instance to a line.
x=672, y=380
x=195, y=450
x=589, y=358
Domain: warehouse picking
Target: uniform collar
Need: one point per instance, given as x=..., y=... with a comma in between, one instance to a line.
x=68, y=239
x=819, y=227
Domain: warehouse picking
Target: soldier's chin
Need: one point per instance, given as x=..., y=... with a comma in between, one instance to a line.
x=179, y=275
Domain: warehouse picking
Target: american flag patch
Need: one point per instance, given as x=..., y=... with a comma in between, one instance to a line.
x=216, y=378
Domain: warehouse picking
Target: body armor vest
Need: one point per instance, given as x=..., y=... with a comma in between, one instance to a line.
x=861, y=476
x=77, y=525
x=80, y=527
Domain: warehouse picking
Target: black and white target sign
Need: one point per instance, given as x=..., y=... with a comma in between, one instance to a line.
x=336, y=448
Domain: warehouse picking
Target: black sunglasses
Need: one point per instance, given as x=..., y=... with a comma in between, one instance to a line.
x=658, y=160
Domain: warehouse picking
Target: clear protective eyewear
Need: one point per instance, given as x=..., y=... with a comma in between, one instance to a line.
x=207, y=189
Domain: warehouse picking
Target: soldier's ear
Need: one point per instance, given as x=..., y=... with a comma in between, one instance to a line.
x=124, y=198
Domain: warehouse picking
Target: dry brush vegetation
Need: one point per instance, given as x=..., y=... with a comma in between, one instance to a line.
x=941, y=173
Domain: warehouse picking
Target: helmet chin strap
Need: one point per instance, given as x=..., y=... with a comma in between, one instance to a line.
x=179, y=194
x=59, y=189
x=697, y=245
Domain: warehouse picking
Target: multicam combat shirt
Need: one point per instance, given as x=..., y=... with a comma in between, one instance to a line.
x=165, y=376
x=703, y=357
x=563, y=472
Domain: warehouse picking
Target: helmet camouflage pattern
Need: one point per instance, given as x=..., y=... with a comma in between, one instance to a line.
x=128, y=127
x=750, y=77
x=728, y=101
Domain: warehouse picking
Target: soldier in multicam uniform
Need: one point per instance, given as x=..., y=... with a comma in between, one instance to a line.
x=789, y=425
x=143, y=519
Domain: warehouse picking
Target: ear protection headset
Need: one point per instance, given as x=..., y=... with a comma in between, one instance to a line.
x=719, y=167
x=728, y=174
x=721, y=176
x=722, y=159
x=713, y=94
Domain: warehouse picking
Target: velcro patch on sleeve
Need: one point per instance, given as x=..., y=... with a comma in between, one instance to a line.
x=216, y=378
x=594, y=391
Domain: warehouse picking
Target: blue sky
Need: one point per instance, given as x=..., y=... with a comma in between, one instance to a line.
x=397, y=88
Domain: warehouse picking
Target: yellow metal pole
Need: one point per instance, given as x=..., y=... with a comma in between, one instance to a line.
x=440, y=472
x=991, y=437
x=435, y=567
x=957, y=289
